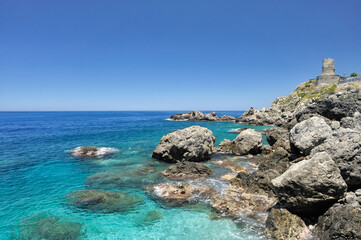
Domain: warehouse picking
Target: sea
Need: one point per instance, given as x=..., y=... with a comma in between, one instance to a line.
x=37, y=172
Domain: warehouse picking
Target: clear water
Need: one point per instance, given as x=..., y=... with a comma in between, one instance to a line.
x=36, y=172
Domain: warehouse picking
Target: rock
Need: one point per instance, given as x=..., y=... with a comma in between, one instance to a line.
x=228, y=177
x=273, y=134
x=153, y=216
x=283, y=225
x=104, y=201
x=225, y=146
x=335, y=125
x=345, y=148
x=92, y=152
x=262, y=117
x=199, y=116
x=310, y=186
x=339, y=222
x=193, y=144
x=248, y=141
x=179, y=193
x=352, y=122
x=225, y=163
x=226, y=118
x=310, y=133
x=49, y=227
x=187, y=170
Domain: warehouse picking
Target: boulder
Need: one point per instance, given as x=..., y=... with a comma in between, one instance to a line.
x=310, y=133
x=187, y=170
x=339, y=222
x=310, y=186
x=345, y=148
x=225, y=146
x=104, y=201
x=261, y=117
x=92, y=152
x=278, y=138
x=226, y=118
x=352, y=122
x=283, y=225
x=248, y=141
x=193, y=144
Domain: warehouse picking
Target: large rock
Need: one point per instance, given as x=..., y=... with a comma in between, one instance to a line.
x=352, y=122
x=193, y=144
x=283, y=225
x=310, y=186
x=199, y=116
x=339, y=222
x=310, y=133
x=345, y=148
x=263, y=116
x=277, y=137
x=248, y=141
x=187, y=170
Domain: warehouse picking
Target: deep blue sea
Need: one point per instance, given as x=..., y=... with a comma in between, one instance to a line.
x=37, y=171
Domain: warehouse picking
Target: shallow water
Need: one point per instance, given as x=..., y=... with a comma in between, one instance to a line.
x=37, y=171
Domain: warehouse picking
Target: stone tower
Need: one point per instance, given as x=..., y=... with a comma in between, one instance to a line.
x=328, y=73
x=328, y=67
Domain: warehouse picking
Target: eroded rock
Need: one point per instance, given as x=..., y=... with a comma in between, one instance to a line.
x=187, y=170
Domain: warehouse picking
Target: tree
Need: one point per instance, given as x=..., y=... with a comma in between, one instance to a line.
x=353, y=74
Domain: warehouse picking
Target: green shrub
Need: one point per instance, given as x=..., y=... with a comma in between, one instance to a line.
x=353, y=74
x=332, y=89
x=301, y=95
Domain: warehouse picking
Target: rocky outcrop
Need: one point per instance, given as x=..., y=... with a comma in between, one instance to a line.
x=334, y=107
x=309, y=134
x=264, y=116
x=92, y=152
x=248, y=141
x=283, y=225
x=103, y=201
x=310, y=186
x=199, y=116
x=193, y=144
x=179, y=193
x=187, y=170
x=339, y=222
x=344, y=145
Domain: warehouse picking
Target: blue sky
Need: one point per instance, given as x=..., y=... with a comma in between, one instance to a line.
x=169, y=55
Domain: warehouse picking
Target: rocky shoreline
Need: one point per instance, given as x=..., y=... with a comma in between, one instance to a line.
x=308, y=180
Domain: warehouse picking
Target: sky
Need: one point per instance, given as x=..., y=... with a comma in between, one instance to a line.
x=169, y=55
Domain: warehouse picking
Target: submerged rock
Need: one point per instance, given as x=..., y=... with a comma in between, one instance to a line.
x=187, y=170
x=339, y=222
x=283, y=225
x=104, y=201
x=179, y=193
x=345, y=148
x=248, y=141
x=310, y=186
x=193, y=144
x=92, y=152
x=153, y=216
x=49, y=227
x=309, y=134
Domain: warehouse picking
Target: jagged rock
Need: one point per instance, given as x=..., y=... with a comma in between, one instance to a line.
x=333, y=109
x=248, y=141
x=264, y=116
x=46, y=226
x=92, y=152
x=283, y=225
x=193, y=144
x=199, y=116
x=187, y=170
x=226, y=118
x=179, y=193
x=278, y=138
x=104, y=201
x=339, y=222
x=345, y=148
x=310, y=186
x=310, y=133
x=352, y=122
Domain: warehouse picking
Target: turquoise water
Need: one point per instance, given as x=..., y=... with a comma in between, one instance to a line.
x=36, y=172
